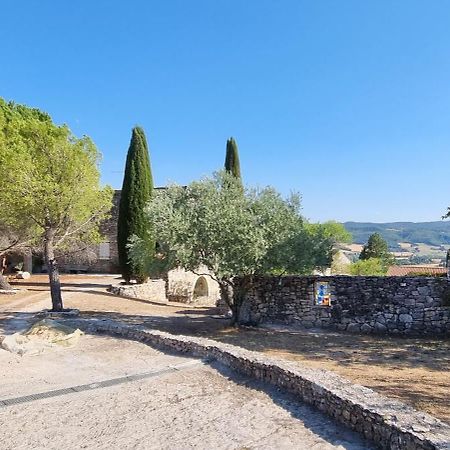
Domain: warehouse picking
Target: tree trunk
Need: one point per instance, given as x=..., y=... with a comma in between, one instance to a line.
x=239, y=293
x=53, y=272
x=226, y=296
x=4, y=285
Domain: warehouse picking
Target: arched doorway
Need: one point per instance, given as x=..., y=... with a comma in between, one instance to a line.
x=200, y=288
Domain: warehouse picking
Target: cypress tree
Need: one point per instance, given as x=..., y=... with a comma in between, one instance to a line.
x=376, y=247
x=232, y=159
x=137, y=189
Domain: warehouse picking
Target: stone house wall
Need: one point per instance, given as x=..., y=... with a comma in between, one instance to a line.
x=394, y=305
x=108, y=229
x=187, y=287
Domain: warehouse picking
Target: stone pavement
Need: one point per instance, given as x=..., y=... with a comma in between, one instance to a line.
x=185, y=404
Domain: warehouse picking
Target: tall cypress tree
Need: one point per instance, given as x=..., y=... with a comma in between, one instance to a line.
x=232, y=159
x=137, y=189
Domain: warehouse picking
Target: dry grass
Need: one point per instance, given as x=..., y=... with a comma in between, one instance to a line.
x=414, y=371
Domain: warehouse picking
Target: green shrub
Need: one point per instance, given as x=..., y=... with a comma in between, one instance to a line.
x=367, y=267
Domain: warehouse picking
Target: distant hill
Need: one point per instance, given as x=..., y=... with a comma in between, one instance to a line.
x=430, y=233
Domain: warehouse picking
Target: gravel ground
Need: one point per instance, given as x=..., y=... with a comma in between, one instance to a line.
x=412, y=370
x=197, y=406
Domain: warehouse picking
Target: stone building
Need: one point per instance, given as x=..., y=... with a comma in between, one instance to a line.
x=180, y=285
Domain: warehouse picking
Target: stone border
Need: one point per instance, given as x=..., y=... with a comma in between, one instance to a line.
x=390, y=424
x=152, y=291
x=9, y=291
x=67, y=313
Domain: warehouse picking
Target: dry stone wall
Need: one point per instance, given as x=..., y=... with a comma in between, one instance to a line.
x=393, y=305
x=152, y=290
x=389, y=423
x=179, y=286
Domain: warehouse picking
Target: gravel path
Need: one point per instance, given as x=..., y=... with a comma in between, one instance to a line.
x=195, y=407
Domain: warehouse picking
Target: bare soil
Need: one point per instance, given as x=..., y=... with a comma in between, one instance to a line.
x=413, y=370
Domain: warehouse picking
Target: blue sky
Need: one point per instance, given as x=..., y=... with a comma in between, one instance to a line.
x=346, y=102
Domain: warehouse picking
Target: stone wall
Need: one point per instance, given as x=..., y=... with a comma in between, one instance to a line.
x=389, y=423
x=153, y=290
x=91, y=261
x=181, y=286
x=395, y=305
x=108, y=229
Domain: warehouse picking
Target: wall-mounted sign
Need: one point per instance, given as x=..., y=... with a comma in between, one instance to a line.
x=322, y=294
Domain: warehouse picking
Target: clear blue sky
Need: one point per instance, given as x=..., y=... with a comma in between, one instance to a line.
x=347, y=102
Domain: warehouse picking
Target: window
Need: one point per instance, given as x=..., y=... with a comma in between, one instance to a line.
x=103, y=251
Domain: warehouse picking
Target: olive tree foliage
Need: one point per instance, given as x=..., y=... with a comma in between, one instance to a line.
x=50, y=186
x=237, y=235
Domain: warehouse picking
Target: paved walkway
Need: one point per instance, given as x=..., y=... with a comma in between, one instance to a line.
x=110, y=393
x=185, y=404
x=412, y=370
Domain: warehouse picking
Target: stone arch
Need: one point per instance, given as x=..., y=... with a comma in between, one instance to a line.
x=201, y=288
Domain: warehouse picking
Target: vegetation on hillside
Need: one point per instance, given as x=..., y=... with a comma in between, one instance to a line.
x=430, y=233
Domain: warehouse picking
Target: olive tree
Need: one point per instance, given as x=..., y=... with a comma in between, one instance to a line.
x=237, y=235
x=50, y=185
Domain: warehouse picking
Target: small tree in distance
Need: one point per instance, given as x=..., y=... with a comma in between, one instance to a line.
x=236, y=234
x=374, y=258
x=376, y=247
x=232, y=164
x=137, y=190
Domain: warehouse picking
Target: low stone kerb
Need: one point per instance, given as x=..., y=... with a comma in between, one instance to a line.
x=389, y=423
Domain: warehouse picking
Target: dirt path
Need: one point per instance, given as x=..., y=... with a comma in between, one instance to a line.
x=410, y=369
x=184, y=405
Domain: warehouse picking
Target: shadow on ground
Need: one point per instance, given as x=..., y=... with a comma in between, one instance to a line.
x=414, y=370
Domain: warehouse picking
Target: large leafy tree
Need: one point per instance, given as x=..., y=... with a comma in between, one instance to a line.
x=50, y=186
x=236, y=234
x=137, y=190
x=232, y=164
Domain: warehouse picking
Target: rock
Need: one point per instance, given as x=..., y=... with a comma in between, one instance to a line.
x=15, y=343
x=366, y=328
x=380, y=327
x=405, y=318
x=423, y=290
x=353, y=328
x=23, y=275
